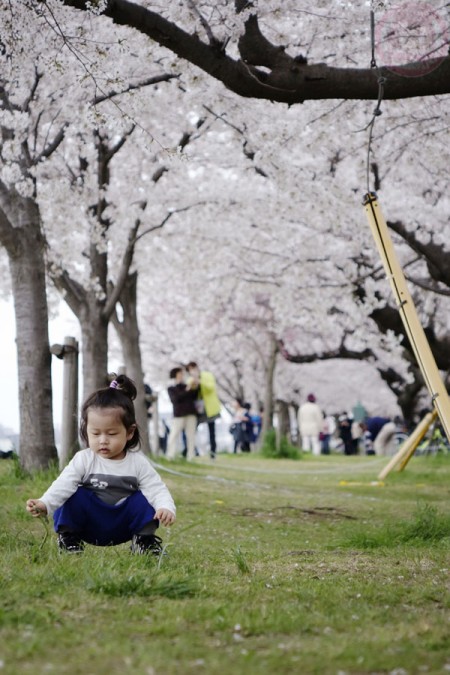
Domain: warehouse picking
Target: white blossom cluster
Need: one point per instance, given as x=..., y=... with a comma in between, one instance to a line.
x=97, y=6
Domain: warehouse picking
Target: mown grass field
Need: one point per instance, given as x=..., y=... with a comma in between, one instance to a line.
x=273, y=566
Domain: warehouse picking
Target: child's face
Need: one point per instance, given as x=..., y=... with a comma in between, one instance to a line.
x=106, y=432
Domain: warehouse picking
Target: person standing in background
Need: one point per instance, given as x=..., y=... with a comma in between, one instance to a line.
x=183, y=396
x=207, y=388
x=357, y=435
x=310, y=423
x=328, y=429
x=345, y=432
x=241, y=429
x=149, y=399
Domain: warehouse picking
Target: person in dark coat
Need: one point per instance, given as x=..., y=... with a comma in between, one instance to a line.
x=345, y=432
x=183, y=396
x=241, y=429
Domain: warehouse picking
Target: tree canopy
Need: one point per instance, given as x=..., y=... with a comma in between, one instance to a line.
x=238, y=218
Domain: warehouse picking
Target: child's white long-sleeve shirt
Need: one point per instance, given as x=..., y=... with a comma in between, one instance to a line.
x=111, y=479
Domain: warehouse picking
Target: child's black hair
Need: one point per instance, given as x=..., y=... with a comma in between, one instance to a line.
x=120, y=393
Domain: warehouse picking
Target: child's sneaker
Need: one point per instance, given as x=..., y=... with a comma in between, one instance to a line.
x=147, y=543
x=70, y=542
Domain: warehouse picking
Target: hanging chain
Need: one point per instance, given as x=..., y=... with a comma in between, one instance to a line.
x=381, y=82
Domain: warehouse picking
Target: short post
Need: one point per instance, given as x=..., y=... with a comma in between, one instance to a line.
x=428, y=420
x=69, y=427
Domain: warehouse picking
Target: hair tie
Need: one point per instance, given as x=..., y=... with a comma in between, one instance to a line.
x=114, y=385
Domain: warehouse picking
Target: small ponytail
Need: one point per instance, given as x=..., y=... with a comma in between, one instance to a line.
x=120, y=393
x=124, y=384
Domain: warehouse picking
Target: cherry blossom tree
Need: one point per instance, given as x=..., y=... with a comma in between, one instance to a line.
x=36, y=111
x=107, y=235
x=280, y=249
x=23, y=240
x=280, y=229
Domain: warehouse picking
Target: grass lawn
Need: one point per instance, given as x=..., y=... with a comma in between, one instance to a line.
x=273, y=567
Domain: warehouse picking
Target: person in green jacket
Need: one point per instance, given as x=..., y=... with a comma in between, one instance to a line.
x=208, y=394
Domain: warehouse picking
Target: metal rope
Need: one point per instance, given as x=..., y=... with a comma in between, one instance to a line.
x=381, y=82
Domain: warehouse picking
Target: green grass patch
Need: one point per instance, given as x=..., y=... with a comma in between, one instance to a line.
x=272, y=566
x=282, y=450
x=141, y=585
x=425, y=526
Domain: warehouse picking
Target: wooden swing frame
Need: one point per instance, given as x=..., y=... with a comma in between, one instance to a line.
x=414, y=330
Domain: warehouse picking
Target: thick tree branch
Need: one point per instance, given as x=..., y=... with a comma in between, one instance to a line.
x=289, y=80
x=341, y=352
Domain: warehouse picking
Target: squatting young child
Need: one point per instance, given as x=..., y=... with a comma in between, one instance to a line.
x=107, y=494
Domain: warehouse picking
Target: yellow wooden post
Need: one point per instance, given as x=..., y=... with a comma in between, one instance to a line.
x=407, y=455
x=408, y=313
x=408, y=447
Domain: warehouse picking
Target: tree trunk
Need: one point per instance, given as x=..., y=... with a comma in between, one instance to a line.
x=284, y=422
x=94, y=331
x=26, y=261
x=128, y=332
x=268, y=394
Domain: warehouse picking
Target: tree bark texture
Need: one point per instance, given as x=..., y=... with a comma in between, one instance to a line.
x=20, y=233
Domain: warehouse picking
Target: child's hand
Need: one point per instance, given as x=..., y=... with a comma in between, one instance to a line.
x=165, y=517
x=36, y=508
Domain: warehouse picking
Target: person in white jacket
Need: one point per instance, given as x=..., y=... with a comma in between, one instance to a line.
x=108, y=494
x=310, y=423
